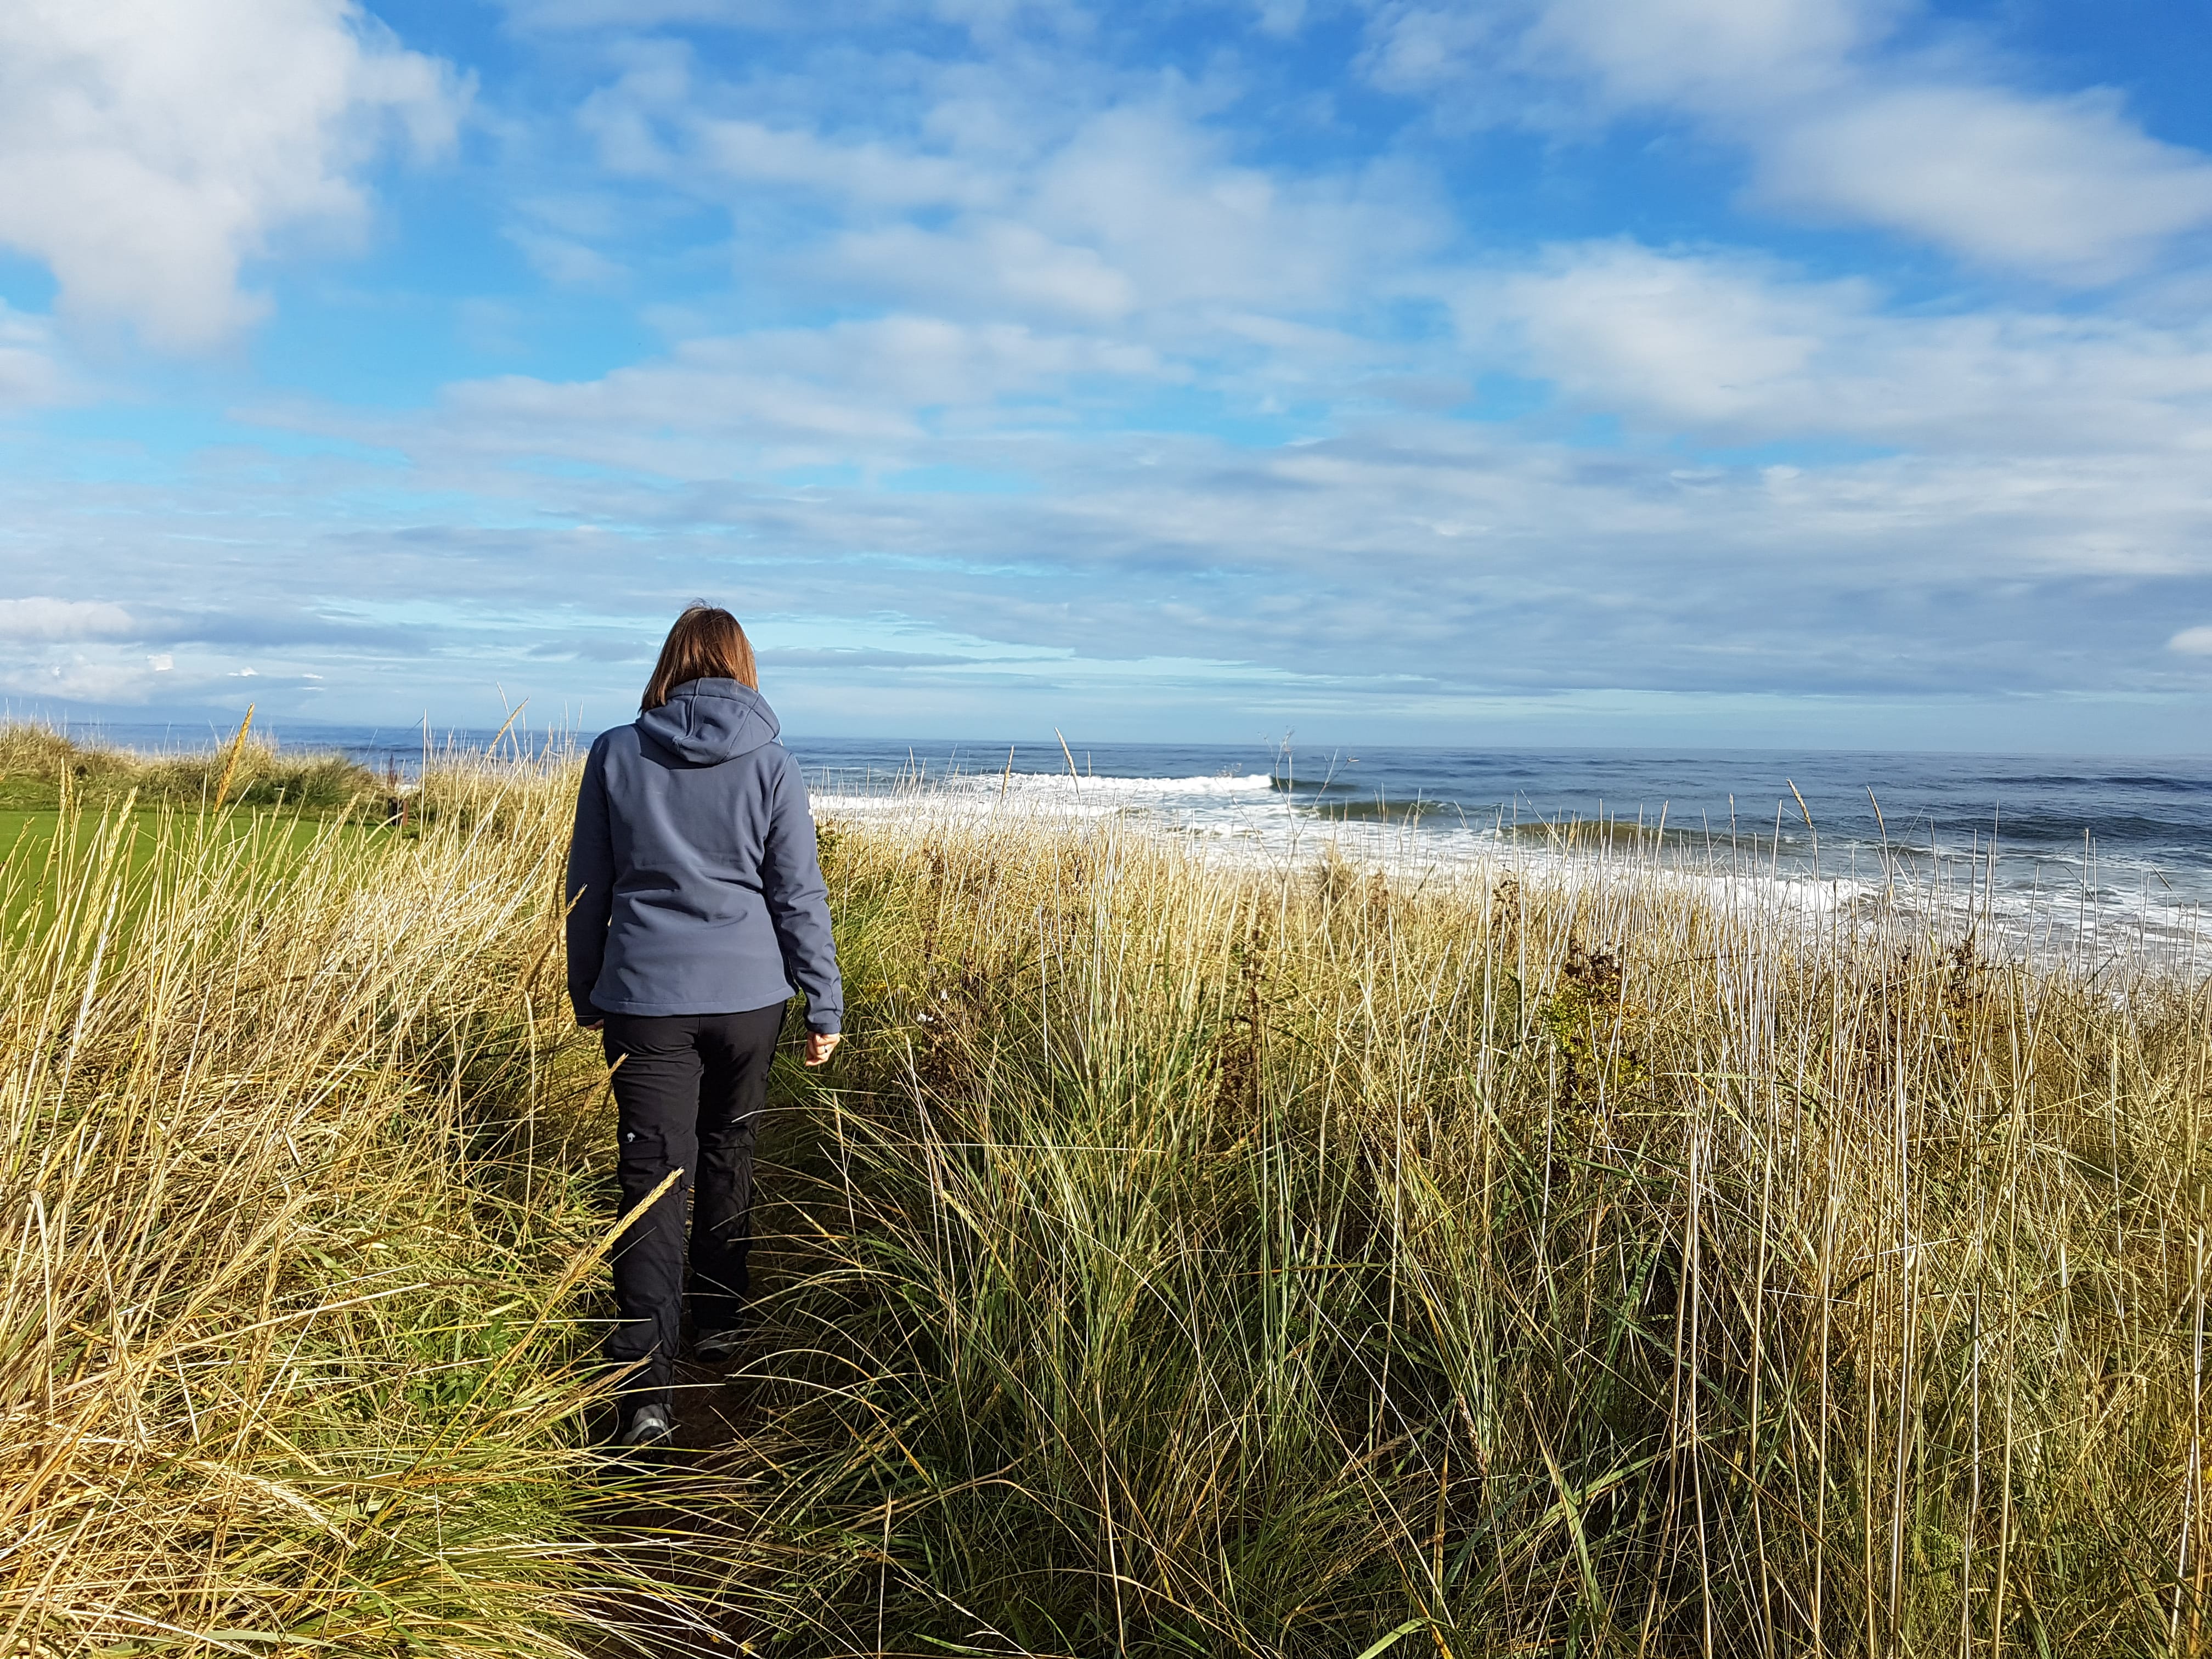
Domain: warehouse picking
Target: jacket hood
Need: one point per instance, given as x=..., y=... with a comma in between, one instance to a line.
x=706, y=721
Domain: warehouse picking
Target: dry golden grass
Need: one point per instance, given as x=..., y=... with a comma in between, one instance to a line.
x=294, y=1211
x=1178, y=1259
x=1202, y=1260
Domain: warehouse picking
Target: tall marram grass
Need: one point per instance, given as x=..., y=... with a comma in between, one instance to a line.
x=1296, y=1261
x=294, y=1218
x=1178, y=1259
x=39, y=764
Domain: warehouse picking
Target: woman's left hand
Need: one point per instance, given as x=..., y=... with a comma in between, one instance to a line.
x=819, y=1046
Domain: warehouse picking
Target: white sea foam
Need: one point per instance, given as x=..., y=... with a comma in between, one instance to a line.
x=852, y=791
x=1067, y=785
x=2023, y=908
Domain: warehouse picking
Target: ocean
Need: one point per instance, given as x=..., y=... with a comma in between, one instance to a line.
x=2120, y=848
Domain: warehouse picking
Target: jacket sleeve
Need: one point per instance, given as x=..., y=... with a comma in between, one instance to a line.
x=590, y=886
x=799, y=903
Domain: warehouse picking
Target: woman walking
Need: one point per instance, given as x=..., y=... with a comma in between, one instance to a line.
x=696, y=909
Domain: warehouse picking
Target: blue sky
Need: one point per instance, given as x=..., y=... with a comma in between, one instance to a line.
x=1720, y=372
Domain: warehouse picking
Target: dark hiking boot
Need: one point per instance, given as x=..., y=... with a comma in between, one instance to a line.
x=716, y=1347
x=646, y=1426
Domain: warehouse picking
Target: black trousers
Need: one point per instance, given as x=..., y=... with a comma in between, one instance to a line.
x=688, y=1088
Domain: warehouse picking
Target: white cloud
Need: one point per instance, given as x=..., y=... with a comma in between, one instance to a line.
x=1739, y=349
x=2192, y=643
x=1156, y=195
x=1051, y=205
x=870, y=172
x=76, y=676
x=2069, y=188
x=1418, y=48
x=850, y=394
x=990, y=267
x=1138, y=222
x=1840, y=124
x=148, y=147
x=30, y=374
x=564, y=261
x=766, y=16
x=1712, y=342
x=644, y=13
x=1716, y=54
x=42, y=618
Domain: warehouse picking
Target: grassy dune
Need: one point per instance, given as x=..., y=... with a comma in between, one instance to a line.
x=1178, y=1260
x=40, y=768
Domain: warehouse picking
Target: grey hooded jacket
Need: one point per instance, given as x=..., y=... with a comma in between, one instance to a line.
x=693, y=887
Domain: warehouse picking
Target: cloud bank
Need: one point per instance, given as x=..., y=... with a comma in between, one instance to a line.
x=1399, y=364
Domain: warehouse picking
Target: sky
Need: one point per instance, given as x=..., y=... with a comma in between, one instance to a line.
x=1711, y=373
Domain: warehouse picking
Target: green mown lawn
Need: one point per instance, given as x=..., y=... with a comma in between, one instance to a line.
x=25, y=833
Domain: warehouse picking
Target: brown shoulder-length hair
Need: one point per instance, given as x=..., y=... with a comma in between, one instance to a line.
x=706, y=644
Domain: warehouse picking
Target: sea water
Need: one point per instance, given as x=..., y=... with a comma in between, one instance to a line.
x=2038, y=852
x=2031, y=849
